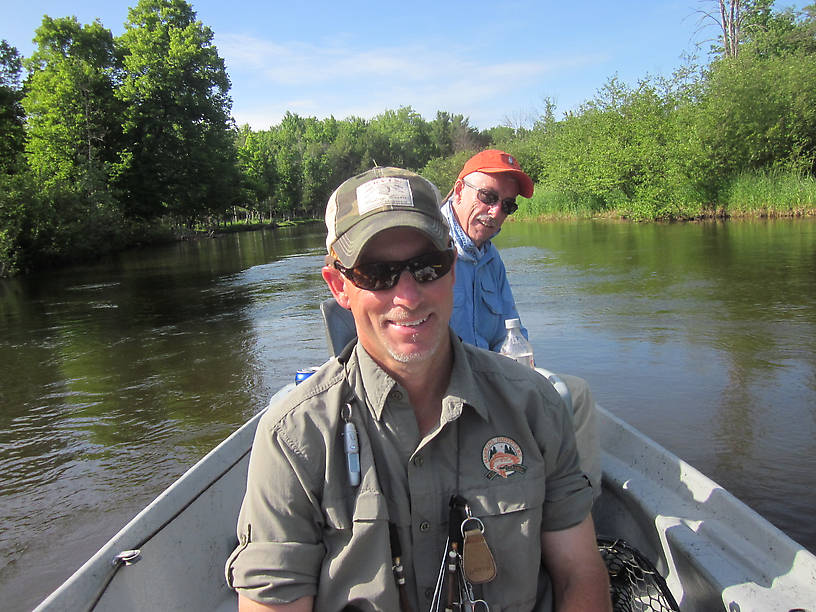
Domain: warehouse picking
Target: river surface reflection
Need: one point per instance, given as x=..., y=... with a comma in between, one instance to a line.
x=117, y=377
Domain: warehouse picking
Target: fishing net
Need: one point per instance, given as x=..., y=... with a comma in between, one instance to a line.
x=635, y=584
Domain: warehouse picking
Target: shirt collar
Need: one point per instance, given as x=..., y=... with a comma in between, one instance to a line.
x=374, y=384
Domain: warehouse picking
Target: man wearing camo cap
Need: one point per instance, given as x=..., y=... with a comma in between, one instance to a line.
x=412, y=453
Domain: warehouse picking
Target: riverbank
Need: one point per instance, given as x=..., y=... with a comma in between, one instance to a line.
x=751, y=195
x=199, y=232
x=626, y=217
x=125, y=236
x=771, y=194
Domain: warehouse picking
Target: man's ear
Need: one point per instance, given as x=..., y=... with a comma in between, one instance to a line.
x=458, y=186
x=337, y=285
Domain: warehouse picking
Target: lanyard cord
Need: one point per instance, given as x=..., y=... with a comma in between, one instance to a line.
x=354, y=480
x=451, y=562
x=458, y=448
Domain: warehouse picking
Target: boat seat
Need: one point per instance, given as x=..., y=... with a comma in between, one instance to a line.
x=340, y=328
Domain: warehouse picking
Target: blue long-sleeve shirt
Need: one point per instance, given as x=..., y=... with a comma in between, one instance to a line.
x=482, y=299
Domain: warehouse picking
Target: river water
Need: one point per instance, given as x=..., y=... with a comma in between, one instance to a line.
x=116, y=377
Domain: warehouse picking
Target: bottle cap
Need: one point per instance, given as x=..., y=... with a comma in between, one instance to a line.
x=511, y=323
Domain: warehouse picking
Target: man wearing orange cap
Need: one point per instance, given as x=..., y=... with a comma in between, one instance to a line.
x=483, y=196
x=481, y=199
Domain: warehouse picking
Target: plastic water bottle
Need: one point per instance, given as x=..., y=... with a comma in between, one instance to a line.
x=515, y=345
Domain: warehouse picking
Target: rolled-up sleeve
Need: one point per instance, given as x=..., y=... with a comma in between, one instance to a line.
x=280, y=548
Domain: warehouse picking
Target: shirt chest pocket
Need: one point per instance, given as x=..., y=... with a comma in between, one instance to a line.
x=491, y=294
x=355, y=534
x=342, y=512
x=354, y=523
x=512, y=513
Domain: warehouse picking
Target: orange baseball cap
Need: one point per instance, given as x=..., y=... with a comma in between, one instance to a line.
x=493, y=161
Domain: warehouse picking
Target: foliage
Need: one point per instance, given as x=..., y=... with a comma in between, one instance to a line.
x=180, y=156
x=111, y=138
x=442, y=171
x=63, y=209
x=613, y=154
x=11, y=111
x=398, y=138
x=14, y=199
x=770, y=192
x=759, y=112
x=451, y=134
x=70, y=107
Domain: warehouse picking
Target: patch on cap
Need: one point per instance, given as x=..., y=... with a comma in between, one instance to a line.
x=385, y=191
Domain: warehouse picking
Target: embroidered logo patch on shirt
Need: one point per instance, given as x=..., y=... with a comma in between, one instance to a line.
x=502, y=457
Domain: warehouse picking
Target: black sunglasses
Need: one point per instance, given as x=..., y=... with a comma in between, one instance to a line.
x=378, y=276
x=489, y=197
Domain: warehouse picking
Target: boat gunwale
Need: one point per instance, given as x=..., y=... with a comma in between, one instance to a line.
x=100, y=569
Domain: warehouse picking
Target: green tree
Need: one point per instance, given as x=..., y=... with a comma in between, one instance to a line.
x=71, y=145
x=347, y=151
x=256, y=164
x=11, y=110
x=399, y=138
x=620, y=151
x=179, y=157
x=497, y=137
x=769, y=33
x=442, y=171
x=73, y=132
x=316, y=169
x=288, y=147
x=451, y=134
x=758, y=112
x=19, y=207
x=804, y=35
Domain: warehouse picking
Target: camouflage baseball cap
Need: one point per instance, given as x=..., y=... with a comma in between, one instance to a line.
x=377, y=200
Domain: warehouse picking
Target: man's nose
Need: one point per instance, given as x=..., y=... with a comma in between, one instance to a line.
x=495, y=210
x=407, y=289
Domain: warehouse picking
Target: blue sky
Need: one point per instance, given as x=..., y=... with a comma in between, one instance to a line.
x=492, y=62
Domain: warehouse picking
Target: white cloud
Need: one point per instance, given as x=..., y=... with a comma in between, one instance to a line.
x=338, y=79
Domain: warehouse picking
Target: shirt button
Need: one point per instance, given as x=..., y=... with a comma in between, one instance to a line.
x=418, y=461
x=424, y=526
x=396, y=395
x=429, y=593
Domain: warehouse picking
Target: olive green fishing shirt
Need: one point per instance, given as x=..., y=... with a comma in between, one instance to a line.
x=504, y=443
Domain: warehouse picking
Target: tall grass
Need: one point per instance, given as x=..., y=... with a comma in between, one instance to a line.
x=770, y=193
x=558, y=205
x=774, y=193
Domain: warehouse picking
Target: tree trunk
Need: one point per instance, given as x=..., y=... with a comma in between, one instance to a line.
x=730, y=21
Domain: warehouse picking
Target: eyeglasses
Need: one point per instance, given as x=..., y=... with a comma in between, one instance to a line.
x=490, y=197
x=378, y=276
